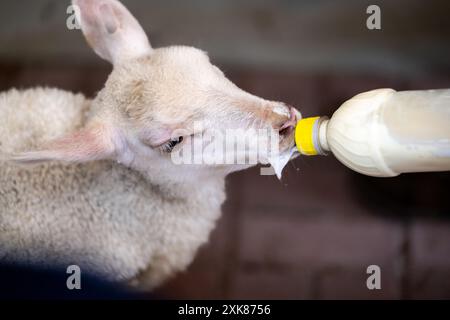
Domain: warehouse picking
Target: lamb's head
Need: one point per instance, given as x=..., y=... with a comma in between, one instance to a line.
x=160, y=108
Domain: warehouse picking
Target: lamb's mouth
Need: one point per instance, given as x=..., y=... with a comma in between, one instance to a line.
x=287, y=132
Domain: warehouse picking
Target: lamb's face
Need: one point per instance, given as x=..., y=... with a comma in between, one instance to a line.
x=176, y=108
x=167, y=110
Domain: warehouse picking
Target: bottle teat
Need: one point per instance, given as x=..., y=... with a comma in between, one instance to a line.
x=311, y=136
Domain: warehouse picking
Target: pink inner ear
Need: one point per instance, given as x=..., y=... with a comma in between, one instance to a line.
x=112, y=31
x=83, y=145
x=93, y=143
x=110, y=21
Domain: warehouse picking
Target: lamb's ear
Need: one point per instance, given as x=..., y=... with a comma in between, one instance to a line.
x=94, y=142
x=111, y=30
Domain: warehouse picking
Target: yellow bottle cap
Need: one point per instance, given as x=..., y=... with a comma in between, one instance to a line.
x=307, y=136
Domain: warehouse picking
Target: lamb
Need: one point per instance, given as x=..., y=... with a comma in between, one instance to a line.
x=91, y=182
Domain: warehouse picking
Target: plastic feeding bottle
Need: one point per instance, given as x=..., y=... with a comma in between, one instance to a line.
x=383, y=133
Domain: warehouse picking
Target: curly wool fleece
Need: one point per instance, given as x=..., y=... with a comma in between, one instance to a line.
x=100, y=215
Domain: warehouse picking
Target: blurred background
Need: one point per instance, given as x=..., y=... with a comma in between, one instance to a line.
x=313, y=234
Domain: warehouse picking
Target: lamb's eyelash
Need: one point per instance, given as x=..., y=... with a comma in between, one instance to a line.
x=171, y=144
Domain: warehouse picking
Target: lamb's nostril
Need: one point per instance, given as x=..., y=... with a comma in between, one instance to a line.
x=286, y=131
x=288, y=127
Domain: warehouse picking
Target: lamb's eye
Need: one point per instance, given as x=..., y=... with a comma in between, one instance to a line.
x=170, y=145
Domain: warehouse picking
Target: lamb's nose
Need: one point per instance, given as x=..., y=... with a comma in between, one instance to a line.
x=277, y=115
x=289, y=125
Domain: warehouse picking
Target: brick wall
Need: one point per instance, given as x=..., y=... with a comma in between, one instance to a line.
x=293, y=35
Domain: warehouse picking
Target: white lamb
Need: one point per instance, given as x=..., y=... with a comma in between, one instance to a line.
x=103, y=192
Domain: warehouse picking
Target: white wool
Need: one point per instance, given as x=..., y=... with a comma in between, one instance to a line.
x=106, y=218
